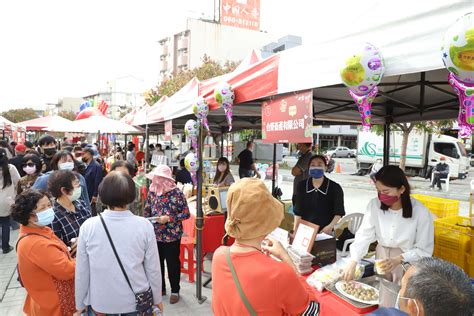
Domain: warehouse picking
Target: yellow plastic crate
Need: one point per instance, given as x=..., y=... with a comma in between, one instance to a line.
x=439, y=207
x=469, y=266
x=453, y=239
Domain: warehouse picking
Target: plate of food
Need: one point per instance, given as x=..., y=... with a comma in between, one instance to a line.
x=358, y=292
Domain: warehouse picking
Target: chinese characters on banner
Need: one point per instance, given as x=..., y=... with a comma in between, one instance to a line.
x=288, y=119
x=241, y=13
x=168, y=130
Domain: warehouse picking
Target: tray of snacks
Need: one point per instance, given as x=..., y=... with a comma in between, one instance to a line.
x=359, y=292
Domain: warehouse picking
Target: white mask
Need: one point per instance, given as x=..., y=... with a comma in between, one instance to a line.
x=29, y=170
x=76, y=194
x=66, y=166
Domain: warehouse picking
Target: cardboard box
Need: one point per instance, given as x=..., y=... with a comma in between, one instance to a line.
x=287, y=222
x=324, y=252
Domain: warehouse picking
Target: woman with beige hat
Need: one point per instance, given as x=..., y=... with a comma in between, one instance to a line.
x=168, y=205
x=246, y=280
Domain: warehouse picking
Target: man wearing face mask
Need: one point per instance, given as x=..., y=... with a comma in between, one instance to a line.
x=433, y=287
x=93, y=174
x=318, y=199
x=70, y=212
x=301, y=171
x=48, y=149
x=441, y=171
x=402, y=226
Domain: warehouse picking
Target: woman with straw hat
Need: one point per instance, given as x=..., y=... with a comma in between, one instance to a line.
x=246, y=280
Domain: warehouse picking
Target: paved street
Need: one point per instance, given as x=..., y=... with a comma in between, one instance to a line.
x=358, y=191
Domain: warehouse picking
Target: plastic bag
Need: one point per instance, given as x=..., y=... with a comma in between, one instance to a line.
x=330, y=274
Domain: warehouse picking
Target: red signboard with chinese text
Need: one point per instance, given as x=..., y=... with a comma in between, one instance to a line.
x=168, y=130
x=288, y=119
x=241, y=13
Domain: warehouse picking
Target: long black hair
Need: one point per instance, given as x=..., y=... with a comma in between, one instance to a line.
x=218, y=173
x=7, y=178
x=394, y=177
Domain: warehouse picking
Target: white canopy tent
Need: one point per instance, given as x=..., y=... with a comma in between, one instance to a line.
x=94, y=124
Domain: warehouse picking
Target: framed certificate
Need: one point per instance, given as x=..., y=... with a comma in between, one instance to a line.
x=305, y=236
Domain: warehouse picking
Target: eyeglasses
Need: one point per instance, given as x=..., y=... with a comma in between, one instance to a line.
x=406, y=266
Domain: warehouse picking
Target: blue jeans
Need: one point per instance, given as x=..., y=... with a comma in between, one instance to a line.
x=245, y=173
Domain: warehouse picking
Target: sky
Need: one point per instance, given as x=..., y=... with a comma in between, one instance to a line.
x=57, y=48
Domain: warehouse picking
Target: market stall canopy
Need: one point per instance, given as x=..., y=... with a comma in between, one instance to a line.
x=141, y=116
x=6, y=124
x=45, y=122
x=94, y=124
x=414, y=87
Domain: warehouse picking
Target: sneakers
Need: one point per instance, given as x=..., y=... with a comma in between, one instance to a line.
x=174, y=298
x=10, y=249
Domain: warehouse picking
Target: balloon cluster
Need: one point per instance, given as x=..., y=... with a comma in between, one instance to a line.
x=361, y=74
x=458, y=57
x=225, y=97
x=201, y=110
x=191, y=162
x=191, y=130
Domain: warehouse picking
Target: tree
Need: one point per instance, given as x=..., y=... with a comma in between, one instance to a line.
x=69, y=115
x=208, y=69
x=20, y=115
x=432, y=127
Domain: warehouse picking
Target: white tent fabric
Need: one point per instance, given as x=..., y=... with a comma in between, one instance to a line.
x=4, y=123
x=96, y=123
x=408, y=36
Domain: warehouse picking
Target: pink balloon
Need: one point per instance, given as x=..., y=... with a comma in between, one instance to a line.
x=228, y=114
x=465, y=92
x=364, y=104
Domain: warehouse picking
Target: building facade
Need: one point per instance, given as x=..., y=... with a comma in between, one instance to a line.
x=327, y=136
x=222, y=43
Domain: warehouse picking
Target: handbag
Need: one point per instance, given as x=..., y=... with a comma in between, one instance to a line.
x=143, y=300
x=239, y=287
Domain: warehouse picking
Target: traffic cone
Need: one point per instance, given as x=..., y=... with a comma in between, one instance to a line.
x=338, y=167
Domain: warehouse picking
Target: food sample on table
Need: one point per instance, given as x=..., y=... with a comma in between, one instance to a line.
x=359, y=291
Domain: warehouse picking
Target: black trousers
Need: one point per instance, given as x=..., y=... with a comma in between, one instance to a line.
x=169, y=251
x=5, y=223
x=437, y=179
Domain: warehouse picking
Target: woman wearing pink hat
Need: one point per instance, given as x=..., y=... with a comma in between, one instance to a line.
x=168, y=205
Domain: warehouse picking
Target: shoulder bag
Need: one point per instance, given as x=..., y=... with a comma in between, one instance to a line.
x=143, y=300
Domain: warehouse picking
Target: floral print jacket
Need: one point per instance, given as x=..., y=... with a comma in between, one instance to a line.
x=172, y=204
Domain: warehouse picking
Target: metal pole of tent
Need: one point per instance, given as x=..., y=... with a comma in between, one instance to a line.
x=222, y=141
x=3, y=134
x=147, y=151
x=274, y=168
x=98, y=140
x=199, y=221
x=386, y=144
x=125, y=148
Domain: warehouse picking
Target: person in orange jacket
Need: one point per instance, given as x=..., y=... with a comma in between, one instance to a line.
x=45, y=265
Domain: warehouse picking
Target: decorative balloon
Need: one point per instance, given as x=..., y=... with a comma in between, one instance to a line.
x=201, y=110
x=458, y=57
x=191, y=162
x=361, y=74
x=225, y=97
x=191, y=130
x=88, y=112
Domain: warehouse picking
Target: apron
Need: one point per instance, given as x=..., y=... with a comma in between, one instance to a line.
x=382, y=252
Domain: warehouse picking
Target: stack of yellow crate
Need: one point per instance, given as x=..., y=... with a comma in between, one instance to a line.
x=439, y=207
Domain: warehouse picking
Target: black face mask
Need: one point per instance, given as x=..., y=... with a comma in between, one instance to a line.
x=49, y=151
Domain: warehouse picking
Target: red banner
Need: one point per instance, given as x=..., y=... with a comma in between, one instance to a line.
x=241, y=13
x=168, y=130
x=288, y=119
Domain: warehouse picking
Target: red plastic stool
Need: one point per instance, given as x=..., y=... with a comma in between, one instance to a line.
x=187, y=245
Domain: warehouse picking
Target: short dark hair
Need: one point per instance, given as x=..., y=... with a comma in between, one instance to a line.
x=117, y=190
x=249, y=143
x=442, y=287
x=28, y=144
x=77, y=148
x=58, y=156
x=394, y=177
x=123, y=163
x=321, y=157
x=25, y=204
x=181, y=163
x=35, y=159
x=61, y=179
x=46, y=140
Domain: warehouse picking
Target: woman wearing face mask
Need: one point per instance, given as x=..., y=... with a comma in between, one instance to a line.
x=32, y=167
x=318, y=199
x=223, y=177
x=45, y=267
x=9, y=177
x=69, y=211
x=168, y=205
x=64, y=160
x=402, y=226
